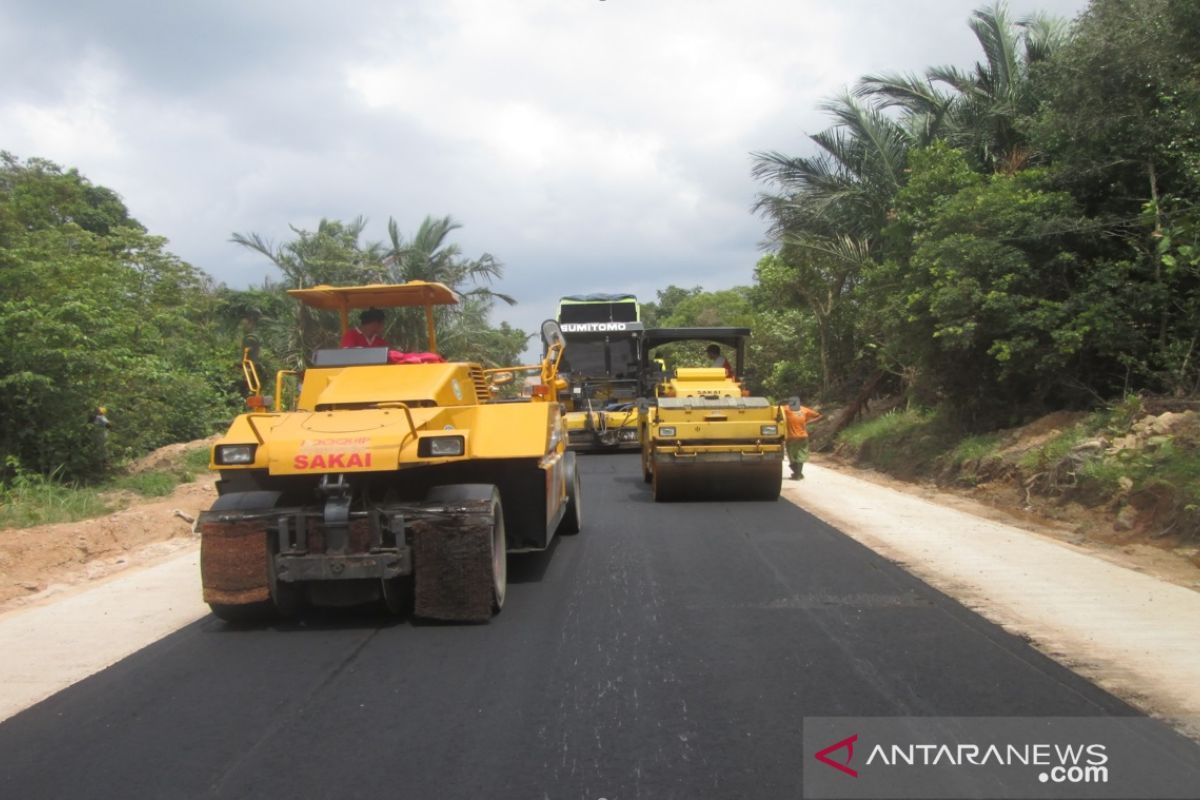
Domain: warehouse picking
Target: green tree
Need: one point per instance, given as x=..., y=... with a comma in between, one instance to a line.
x=808, y=274
x=990, y=293
x=336, y=254
x=846, y=190
x=332, y=254
x=664, y=306
x=96, y=315
x=430, y=256
x=1121, y=121
x=985, y=108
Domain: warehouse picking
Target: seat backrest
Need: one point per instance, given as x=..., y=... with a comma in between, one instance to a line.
x=349, y=356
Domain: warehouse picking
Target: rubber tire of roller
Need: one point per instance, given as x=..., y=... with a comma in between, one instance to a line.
x=477, y=491
x=572, y=521
x=244, y=613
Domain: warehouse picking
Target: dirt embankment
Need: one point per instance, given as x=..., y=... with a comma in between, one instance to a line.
x=48, y=559
x=1121, y=480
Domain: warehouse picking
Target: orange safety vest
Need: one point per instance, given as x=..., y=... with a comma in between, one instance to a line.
x=797, y=421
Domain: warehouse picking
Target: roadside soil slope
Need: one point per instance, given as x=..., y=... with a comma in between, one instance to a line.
x=1148, y=527
x=42, y=561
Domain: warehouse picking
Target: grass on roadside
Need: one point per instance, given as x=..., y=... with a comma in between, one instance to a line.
x=195, y=460
x=964, y=461
x=1160, y=472
x=904, y=443
x=29, y=498
x=974, y=448
x=148, y=484
x=1053, y=450
x=1168, y=465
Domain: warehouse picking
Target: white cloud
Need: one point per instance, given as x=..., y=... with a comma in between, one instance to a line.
x=82, y=125
x=591, y=146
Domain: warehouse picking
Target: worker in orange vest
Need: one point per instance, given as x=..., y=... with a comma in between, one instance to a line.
x=797, y=417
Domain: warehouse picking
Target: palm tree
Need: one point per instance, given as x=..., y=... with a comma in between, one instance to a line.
x=847, y=188
x=826, y=212
x=925, y=108
x=982, y=112
x=331, y=254
x=830, y=208
x=429, y=257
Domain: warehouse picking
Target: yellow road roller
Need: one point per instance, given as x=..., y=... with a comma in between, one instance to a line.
x=391, y=477
x=702, y=437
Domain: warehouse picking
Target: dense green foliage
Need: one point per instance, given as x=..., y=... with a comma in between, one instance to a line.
x=1013, y=238
x=781, y=335
x=96, y=312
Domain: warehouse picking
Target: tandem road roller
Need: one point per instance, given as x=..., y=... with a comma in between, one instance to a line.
x=701, y=436
x=389, y=478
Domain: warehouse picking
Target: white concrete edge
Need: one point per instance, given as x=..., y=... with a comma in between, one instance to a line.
x=47, y=647
x=1130, y=633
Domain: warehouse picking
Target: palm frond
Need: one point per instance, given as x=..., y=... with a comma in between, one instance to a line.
x=955, y=78
x=1042, y=35
x=257, y=243
x=995, y=35
x=914, y=93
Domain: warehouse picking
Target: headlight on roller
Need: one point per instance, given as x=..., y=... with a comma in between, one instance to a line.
x=666, y=430
x=229, y=454
x=441, y=446
x=769, y=430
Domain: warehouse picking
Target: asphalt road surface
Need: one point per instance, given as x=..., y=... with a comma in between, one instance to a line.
x=669, y=650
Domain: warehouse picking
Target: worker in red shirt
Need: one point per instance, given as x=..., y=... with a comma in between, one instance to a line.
x=369, y=332
x=797, y=417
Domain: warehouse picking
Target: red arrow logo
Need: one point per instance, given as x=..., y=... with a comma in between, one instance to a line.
x=823, y=756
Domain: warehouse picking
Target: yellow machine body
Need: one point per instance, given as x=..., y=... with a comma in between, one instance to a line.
x=702, y=438
x=615, y=429
x=384, y=479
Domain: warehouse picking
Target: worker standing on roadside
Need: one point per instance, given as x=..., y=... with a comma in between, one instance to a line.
x=100, y=427
x=797, y=417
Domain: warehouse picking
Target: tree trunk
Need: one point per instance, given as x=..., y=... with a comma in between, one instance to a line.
x=854, y=409
x=1157, y=236
x=823, y=335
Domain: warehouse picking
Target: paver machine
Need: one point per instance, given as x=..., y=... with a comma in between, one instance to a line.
x=602, y=369
x=386, y=480
x=702, y=436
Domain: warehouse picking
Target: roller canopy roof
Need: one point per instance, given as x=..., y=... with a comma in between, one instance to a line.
x=598, y=298
x=377, y=295
x=730, y=337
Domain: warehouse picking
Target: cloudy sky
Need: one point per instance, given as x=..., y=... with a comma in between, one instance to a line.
x=590, y=145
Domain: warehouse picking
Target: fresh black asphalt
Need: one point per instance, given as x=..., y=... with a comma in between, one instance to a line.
x=668, y=651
